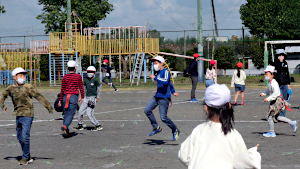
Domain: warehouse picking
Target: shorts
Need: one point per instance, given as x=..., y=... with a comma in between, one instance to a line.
x=239, y=87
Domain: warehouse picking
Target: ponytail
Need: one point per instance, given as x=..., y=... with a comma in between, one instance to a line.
x=239, y=72
x=226, y=117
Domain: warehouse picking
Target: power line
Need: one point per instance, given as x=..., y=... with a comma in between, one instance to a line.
x=28, y=8
x=168, y=14
x=229, y=13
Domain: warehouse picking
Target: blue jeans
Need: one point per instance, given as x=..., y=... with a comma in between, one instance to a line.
x=283, y=92
x=209, y=82
x=110, y=81
x=71, y=110
x=163, y=104
x=23, y=126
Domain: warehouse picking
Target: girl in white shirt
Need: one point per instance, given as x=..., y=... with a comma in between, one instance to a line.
x=239, y=78
x=216, y=144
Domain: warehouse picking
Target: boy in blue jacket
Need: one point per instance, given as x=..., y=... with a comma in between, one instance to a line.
x=162, y=98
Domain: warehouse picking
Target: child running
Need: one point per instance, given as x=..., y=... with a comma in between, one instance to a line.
x=70, y=86
x=93, y=91
x=162, y=98
x=274, y=98
x=108, y=75
x=238, y=79
x=216, y=144
x=21, y=95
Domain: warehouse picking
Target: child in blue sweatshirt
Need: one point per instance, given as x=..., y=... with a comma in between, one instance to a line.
x=162, y=98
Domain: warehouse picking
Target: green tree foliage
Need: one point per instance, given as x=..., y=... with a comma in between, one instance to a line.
x=224, y=57
x=90, y=12
x=2, y=9
x=273, y=19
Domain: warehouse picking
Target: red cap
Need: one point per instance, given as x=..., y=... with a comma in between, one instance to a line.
x=212, y=62
x=239, y=65
x=195, y=55
x=105, y=60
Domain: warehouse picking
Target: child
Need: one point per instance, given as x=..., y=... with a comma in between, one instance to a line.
x=69, y=95
x=93, y=91
x=216, y=144
x=274, y=92
x=21, y=95
x=162, y=98
x=210, y=75
x=192, y=70
x=238, y=78
x=108, y=75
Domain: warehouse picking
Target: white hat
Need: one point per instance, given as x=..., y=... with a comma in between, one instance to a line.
x=72, y=63
x=217, y=96
x=158, y=58
x=270, y=68
x=91, y=68
x=280, y=51
x=17, y=71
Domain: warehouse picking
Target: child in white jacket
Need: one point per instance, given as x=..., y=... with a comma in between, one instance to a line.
x=274, y=92
x=216, y=139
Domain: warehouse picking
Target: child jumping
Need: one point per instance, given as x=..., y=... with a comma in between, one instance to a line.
x=162, y=99
x=108, y=75
x=216, y=144
x=21, y=95
x=71, y=83
x=274, y=97
x=93, y=91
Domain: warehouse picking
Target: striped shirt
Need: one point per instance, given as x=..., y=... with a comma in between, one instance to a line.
x=70, y=85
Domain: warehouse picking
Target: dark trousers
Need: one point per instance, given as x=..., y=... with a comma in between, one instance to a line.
x=283, y=92
x=110, y=81
x=194, y=85
x=71, y=110
x=23, y=126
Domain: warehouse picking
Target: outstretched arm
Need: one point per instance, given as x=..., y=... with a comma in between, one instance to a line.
x=2, y=99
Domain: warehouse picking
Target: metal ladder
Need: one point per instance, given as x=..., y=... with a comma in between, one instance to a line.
x=137, y=69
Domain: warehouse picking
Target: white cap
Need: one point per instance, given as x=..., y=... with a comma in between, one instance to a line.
x=159, y=58
x=280, y=51
x=217, y=96
x=270, y=68
x=91, y=68
x=17, y=71
x=72, y=63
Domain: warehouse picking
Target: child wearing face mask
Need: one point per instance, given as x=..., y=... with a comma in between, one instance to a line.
x=216, y=144
x=93, y=91
x=274, y=98
x=21, y=95
x=108, y=75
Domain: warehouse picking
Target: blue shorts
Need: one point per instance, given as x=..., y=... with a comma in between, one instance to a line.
x=239, y=87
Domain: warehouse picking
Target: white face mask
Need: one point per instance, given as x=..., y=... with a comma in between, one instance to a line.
x=90, y=75
x=267, y=78
x=20, y=81
x=279, y=57
x=156, y=68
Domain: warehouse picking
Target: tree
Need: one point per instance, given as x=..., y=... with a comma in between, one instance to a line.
x=90, y=12
x=224, y=57
x=257, y=56
x=273, y=19
x=2, y=9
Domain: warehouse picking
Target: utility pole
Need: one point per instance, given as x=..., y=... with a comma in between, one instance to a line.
x=184, y=43
x=243, y=48
x=208, y=49
x=200, y=42
x=213, y=49
x=215, y=20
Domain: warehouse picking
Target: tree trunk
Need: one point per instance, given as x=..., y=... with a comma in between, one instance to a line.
x=124, y=63
x=224, y=72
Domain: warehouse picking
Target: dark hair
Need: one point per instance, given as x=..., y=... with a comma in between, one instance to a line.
x=226, y=117
x=71, y=68
x=210, y=67
x=239, y=72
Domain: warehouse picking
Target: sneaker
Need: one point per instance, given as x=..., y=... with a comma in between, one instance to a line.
x=269, y=134
x=65, y=132
x=97, y=128
x=295, y=126
x=155, y=131
x=24, y=161
x=61, y=117
x=176, y=134
x=79, y=127
x=194, y=100
x=243, y=104
x=116, y=90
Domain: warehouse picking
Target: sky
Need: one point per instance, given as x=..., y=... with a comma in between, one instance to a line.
x=162, y=15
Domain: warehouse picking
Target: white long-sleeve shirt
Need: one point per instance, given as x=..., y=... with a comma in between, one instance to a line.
x=238, y=80
x=273, y=90
x=208, y=148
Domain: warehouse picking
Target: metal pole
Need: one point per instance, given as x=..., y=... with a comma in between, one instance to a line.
x=50, y=68
x=63, y=63
x=243, y=48
x=200, y=43
x=184, y=45
x=145, y=70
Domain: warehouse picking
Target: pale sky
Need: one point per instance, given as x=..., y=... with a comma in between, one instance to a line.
x=20, y=17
